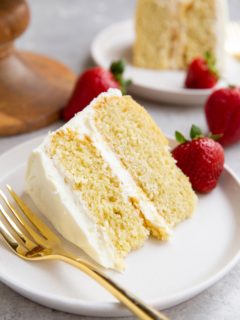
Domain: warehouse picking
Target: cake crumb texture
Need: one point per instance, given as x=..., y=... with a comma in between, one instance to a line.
x=86, y=172
x=170, y=33
x=143, y=150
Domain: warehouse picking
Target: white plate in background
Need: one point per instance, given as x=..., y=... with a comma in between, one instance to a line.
x=116, y=41
x=203, y=249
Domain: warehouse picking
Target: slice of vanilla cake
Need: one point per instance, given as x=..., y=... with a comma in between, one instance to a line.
x=171, y=33
x=106, y=180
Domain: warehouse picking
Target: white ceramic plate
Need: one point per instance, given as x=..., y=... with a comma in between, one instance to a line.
x=116, y=42
x=203, y=250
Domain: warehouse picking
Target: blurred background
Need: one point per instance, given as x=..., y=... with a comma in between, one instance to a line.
x=65, y=29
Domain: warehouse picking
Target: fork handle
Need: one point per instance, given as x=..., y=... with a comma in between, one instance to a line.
x=138, y=307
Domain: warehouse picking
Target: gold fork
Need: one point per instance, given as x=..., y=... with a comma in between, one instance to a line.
x=31, y=239
x=233, y=39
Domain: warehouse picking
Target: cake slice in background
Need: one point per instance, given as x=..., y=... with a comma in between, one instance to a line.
x=171, y=33
x=106, y=180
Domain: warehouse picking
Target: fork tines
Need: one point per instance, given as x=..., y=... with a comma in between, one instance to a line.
x=23, y=231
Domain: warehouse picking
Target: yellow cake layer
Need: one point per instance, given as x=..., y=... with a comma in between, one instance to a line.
x=200, y=30
x=143, y=150
x=86, y=172
x=170, y=33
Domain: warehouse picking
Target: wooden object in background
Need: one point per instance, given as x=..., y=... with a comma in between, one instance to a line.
x=33, y=88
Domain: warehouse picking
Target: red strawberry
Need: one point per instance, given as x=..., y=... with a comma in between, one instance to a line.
x=91, y=83
x=222, y=112
x=202, y=73
x=201, y=159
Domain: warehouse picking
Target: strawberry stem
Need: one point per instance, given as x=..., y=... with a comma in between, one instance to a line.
x=180, y=137
x=211, y=63
x=117, y=68
x=195, y=132
x=215, y=137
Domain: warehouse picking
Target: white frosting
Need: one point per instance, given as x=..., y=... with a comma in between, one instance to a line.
x=65, y=208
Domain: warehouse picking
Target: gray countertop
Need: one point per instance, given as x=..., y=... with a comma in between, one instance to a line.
x=64, y=30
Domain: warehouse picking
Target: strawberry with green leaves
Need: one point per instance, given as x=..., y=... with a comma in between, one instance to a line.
x=201, y=159
x=202, y=73
x=91, y=83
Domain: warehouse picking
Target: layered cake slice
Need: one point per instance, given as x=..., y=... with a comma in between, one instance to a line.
x=106, y=180
x=171, y=33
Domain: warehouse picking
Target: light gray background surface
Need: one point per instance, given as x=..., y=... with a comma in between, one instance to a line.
x=64, y=29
